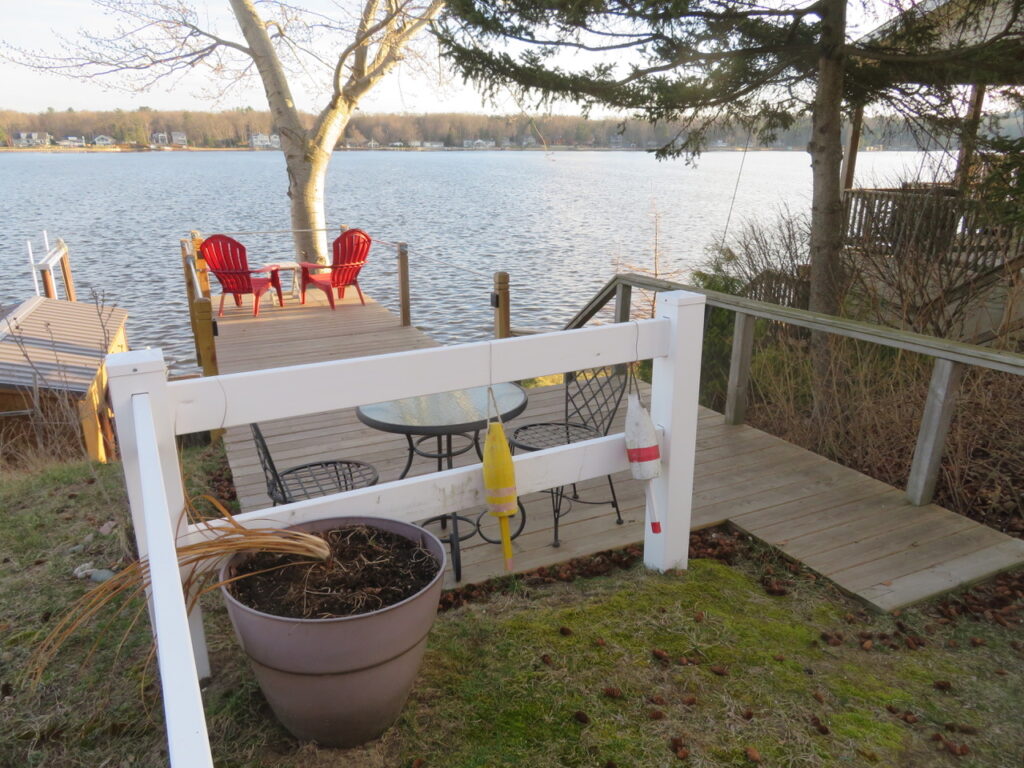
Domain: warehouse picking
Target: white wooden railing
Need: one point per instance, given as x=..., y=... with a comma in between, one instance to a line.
x=150, y=412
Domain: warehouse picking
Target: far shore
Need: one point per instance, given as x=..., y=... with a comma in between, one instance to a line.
x=538, y=148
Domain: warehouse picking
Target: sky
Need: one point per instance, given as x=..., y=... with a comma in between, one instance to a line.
x=37, y=25
x=34, y=24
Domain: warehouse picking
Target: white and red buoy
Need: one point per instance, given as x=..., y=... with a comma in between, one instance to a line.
x=642, y=448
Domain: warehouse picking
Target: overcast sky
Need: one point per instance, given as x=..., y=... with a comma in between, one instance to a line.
x=32, y=24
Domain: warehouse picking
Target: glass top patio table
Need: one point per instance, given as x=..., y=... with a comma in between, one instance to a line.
x=444, y=413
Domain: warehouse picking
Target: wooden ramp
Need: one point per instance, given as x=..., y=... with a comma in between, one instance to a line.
x=859, y=532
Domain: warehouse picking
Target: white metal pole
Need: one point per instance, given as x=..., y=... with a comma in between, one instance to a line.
x=675, y=385
x=32, y=266
x=129, y=374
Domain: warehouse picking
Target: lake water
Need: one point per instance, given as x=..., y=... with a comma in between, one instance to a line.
x=558, y=222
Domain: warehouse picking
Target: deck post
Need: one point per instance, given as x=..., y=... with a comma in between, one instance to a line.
x=206, y=347
x=49, y=289
x=623, y=302
x=201, y=273
x=931, y=437
x=739, y=369
x=403, y=284
x=675, y=385
x=134, y=373
x=500, y=302
x=65, y=272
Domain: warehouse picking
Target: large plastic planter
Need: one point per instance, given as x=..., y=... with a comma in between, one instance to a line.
x=340, y=682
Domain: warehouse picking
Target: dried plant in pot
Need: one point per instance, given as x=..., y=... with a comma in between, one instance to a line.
x=333, y=614
x=339, y=680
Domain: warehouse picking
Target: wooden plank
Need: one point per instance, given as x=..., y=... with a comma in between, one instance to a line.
x=953, y=573
x=909, y=530
x=930, y=554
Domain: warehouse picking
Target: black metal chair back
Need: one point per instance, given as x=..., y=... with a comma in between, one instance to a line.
x=592, y=396
x=275, y=487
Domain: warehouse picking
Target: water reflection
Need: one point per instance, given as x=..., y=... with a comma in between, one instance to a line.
x=557, y=222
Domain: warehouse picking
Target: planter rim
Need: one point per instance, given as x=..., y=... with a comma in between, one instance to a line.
x=363, y=520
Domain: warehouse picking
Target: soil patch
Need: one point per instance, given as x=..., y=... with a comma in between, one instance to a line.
x=369, y=569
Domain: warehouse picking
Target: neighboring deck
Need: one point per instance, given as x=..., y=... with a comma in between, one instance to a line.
x=860, y=533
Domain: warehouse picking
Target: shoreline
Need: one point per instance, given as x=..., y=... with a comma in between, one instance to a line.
x=551, y=148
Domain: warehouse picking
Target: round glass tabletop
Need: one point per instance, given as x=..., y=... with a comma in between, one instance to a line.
x=463, y=410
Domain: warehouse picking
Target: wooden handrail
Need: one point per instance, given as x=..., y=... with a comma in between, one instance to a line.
x=955, y=351
x=950, y=357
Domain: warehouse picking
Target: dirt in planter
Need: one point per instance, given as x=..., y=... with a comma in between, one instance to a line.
x=368, y=569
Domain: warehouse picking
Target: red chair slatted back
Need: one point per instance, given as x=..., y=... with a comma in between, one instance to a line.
x=350, y=251
x=225, y=257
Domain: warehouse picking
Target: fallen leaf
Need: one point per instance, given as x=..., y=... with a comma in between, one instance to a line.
x=720, y=670
x=419, y=762
x=683, y=753
x=656, y=714
x=565, y=631
x=748, y=714
x=819, y=696
x=867, y=645
x=546, y=658
x=581, y=717
x=659, y=654
x=753, y=755
x=977, y=641
x=689, y=700
x=613, y=693
x=942, y=685
x=659, y=700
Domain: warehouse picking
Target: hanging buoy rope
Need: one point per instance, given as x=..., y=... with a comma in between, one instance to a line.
x=500, y=482
x=642, y=447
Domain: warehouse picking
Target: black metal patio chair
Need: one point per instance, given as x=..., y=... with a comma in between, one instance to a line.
x=592, y=398
x=306, y=481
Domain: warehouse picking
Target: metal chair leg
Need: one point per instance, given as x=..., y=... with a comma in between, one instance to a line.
x=615, y=502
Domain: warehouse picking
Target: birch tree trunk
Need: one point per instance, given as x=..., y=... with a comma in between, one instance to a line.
x=307, y=152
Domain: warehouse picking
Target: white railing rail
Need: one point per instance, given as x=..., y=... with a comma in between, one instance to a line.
x=151, y=411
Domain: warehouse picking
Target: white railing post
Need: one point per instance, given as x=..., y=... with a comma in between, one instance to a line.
x=675, y=385
x=188, y=741
x=145, y=372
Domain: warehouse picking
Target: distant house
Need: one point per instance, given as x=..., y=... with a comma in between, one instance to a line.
x=32, y=139
x=103, y=141
x=373, y=144
x=263, y=141
x=433, y=145
x=529, y=141
x=478, y=143
x=159, y=138
x=178, y=139
x=71, y=141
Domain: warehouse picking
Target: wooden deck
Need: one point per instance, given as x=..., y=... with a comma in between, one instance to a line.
x=858, y=532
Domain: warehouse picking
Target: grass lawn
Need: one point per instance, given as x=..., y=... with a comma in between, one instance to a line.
x=697, y=668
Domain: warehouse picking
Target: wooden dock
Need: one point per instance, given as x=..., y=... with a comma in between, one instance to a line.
x=860, y=533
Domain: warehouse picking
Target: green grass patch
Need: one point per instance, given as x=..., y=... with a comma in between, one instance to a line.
x=504, y=680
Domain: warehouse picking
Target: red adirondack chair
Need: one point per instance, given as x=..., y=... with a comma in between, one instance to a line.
x=225, y=258
x=350, y=251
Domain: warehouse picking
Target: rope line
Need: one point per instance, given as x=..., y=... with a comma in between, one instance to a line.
x=279, y=231
x=736, y=188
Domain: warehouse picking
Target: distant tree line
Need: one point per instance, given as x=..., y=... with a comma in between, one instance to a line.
x=233, y=128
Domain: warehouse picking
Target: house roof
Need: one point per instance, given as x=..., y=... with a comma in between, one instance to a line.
x=986, y=55
x=57, y=345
